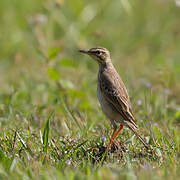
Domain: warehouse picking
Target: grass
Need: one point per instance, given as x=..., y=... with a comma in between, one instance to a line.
x=51, y=126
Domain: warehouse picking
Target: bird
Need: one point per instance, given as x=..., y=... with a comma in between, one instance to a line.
x=112, y=95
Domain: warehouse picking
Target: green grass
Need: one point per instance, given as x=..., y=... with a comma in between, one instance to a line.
x=51, y=126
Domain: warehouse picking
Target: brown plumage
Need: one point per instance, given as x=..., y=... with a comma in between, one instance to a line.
x=112, y=94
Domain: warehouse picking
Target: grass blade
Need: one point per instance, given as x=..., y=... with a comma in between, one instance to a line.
x=46, y=132
x=70, y=114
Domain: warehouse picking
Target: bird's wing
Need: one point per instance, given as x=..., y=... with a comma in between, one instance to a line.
x=115, y=93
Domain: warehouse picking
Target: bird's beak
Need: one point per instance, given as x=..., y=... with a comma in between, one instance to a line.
x=84, y=51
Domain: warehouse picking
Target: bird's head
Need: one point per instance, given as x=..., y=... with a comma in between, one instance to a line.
x=100, y=54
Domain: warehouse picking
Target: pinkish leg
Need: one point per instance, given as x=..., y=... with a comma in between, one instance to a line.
x=114, y=135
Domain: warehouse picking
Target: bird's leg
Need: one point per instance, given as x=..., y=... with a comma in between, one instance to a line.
x=118, y=131
x=114, y=131
x=114, y=135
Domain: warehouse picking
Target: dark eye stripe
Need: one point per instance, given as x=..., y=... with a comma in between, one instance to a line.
x=98, y=52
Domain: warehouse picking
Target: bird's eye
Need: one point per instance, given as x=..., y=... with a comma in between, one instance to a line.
x=98, y=52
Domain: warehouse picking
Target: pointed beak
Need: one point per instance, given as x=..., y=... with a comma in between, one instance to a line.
x=84, y=51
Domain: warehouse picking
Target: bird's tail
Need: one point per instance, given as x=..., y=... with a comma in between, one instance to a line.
x=134, y=129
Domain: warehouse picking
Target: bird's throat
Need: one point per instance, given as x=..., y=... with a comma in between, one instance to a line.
x=106, y=65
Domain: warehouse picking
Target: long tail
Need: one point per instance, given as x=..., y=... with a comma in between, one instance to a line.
x=134, y=129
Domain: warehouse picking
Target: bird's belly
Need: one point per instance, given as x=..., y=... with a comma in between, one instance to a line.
x=108, y=108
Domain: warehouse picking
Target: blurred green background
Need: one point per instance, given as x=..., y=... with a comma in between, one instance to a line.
x=41, y=71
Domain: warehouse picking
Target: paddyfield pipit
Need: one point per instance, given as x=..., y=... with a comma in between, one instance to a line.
x=112, y=94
